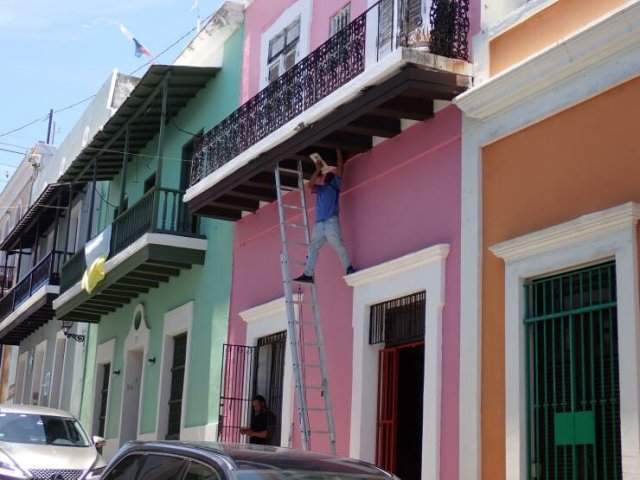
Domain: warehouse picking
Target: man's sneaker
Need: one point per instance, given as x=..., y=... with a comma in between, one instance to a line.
x=304, y=279
x=350, y=270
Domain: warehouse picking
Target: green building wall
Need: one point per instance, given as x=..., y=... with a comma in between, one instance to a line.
x=208, y=286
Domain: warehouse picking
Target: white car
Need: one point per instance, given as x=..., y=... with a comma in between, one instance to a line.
x=46, y=444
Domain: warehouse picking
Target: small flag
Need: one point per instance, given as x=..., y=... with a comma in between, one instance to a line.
x=139, y=48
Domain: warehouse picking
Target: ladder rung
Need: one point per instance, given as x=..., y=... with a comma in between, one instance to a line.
x=294, y=207
x=316, y=409
x=296, y=302
x=314, y=387
x=289, y=189
x=320, y=432
x=311, y=365
x=317, y=345
x=301, y=244
x=296, y=225
x=288, y=170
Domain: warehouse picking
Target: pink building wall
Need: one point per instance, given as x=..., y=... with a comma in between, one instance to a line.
x=402, y=196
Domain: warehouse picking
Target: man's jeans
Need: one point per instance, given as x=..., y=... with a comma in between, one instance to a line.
x=327, y=231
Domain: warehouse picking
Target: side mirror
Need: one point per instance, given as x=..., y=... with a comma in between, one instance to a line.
x=99, y=442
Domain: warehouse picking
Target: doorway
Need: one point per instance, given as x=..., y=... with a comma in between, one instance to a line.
x=131, y=396
x=269, y=376
x=400, y=408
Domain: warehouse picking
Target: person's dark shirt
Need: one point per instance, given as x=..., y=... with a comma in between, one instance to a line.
x=260, y=422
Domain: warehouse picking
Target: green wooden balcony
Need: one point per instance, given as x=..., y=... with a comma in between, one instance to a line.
x=151, y=242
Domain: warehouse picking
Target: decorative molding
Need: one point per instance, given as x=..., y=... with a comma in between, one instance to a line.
x=398, y=265
x=518, y=16
x=568, y=233
x=274, y=307
x=596, y=42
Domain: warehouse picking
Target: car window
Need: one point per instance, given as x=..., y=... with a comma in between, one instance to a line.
x=200, y=472
x=126, y=469
x=42, y=430
x=161, y=467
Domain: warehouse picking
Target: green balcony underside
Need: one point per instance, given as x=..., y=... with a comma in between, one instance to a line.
x=139, y=273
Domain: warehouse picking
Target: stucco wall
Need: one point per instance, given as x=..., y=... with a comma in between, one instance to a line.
x=208, y=286
x=402, y=196
x=579, y=161
x=544, y=29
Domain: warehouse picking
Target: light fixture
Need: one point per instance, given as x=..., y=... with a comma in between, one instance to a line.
x=66, y=330
x=116, y=372
x=152, y=360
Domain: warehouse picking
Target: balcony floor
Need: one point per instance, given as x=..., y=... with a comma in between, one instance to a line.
x=29, y=316
x=404, y=85
x=150, y=261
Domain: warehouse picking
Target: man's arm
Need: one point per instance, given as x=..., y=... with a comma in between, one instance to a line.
x=314, y=178
x=340, y=164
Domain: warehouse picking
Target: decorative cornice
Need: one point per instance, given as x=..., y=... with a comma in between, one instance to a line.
x=411, y=261
x=568, y=233
x=269, y=309
x=602, y=39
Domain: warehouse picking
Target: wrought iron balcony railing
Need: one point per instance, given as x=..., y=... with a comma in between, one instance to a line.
x=332, y=65
x=161, y=210
x=47, y=271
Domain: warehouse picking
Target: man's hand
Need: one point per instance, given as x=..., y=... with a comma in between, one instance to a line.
x=245, y=431
x=340, y=162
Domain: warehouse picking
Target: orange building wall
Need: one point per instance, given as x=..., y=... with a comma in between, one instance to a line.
x=544, y=29
x=582, y=160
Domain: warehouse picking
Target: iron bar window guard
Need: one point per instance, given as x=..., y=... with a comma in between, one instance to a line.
x=333, y=64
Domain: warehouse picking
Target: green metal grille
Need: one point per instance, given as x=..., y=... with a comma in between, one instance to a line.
x=573, y=407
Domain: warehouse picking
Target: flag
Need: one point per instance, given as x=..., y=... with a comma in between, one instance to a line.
x=139, y=48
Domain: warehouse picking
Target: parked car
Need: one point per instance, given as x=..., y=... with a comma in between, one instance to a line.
x=213, y=461
x=46, y=444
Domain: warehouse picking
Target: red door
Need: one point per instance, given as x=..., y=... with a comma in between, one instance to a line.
x=387, y=409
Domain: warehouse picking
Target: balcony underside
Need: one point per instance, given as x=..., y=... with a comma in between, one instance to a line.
x=409, y=93
x=150, y=262
x=32, y=314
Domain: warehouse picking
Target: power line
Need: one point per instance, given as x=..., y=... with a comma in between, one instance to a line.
x=68, y=107
x=11, y=151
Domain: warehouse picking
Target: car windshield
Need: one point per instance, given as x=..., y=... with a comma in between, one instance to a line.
x=41, y=430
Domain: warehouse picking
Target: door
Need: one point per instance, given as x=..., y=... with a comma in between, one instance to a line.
x=177, y=386
x=573, y=397
x=236, y=391
x=400, y=410
x=269, y=376
x=131, y=397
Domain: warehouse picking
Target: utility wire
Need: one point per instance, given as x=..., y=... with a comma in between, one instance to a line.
x=68, y=107
x=11, y=151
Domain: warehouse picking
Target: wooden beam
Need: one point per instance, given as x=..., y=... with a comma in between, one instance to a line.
x=136, y=276
x=235, y=203
x=406, y=107
x=254, y=193
x=153, y=269
x=374, y=125
x=348, y=142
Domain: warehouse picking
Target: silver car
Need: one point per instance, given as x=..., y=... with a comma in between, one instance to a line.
x=46, y=444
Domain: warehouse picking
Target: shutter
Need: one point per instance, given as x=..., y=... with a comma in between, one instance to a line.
x=385, y=27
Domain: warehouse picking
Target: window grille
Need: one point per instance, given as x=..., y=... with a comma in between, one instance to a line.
x=398, y=321
x=573, y=399
x=177, y=386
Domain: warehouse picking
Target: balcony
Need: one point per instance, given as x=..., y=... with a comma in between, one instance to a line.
x=28, y=305
x=378, y=70
x=150, y=242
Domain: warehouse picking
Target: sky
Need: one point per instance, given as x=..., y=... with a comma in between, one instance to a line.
x=57, y=52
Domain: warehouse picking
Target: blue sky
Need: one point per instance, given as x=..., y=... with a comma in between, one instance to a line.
x=55, y=53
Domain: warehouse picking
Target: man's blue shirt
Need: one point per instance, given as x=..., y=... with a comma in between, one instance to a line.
x=327, y=199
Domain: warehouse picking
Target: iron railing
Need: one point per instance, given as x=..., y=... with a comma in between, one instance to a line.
x=161, y=210
x=397, y=321
x=332, y=65
x=46, y=272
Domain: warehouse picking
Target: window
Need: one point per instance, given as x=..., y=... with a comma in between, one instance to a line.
x=104, y=396
x=283, y=51
x=398, y=321
x=161, y=467
x=572, y=378
x=150, y=183
x=340, y=20
x=200, y=472
x=177, y=386
x=126, y=469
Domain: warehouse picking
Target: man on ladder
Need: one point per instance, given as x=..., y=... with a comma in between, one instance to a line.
x=326, y=185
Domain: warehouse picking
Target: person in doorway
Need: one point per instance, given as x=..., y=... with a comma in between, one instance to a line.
x=263, y=423
x=326, y=183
